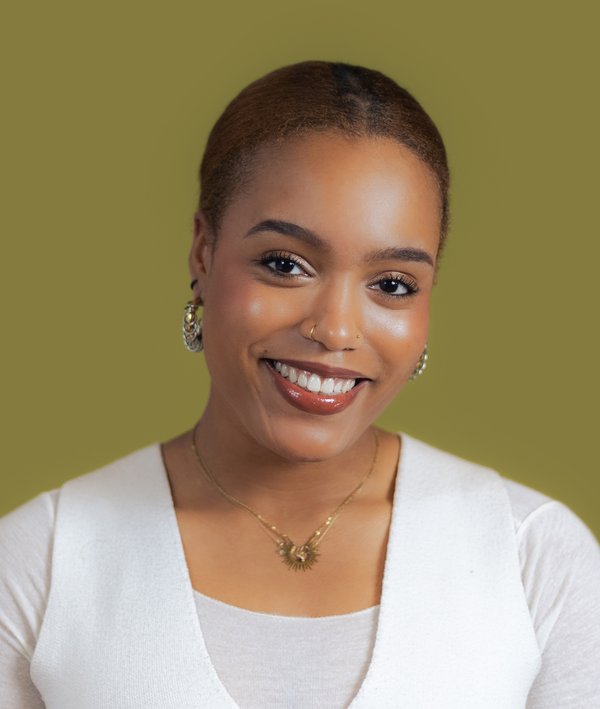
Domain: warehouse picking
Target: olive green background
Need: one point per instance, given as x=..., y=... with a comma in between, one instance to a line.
x=105, y=110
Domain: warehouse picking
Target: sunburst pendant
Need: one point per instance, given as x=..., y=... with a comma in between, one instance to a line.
x=298, y=558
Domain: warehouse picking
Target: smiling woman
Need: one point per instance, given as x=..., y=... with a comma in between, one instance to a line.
x=324, y=261
x=285, y=552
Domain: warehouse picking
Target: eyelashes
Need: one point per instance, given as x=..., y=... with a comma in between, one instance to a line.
x=391, y=281
x=282, y=264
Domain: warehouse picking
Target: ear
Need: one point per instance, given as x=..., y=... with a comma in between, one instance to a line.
x=200, y=255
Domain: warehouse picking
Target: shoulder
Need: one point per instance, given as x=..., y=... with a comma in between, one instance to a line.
x=532, y=511
x=26, y=533
x=545, y=528
x=26, y=536
x=439, y=474
x=558, y=554
x=124, y=470
x=557, y=549
x=28, y=540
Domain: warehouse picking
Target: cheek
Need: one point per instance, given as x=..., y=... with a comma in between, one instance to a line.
x=401, y=324
x=399, y=336
x=240, y=311
x=232, y=313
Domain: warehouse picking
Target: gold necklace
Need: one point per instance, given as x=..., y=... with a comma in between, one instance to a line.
x=299, y=557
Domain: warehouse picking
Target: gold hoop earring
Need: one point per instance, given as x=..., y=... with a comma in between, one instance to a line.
x=421, y=364
x=192, y=328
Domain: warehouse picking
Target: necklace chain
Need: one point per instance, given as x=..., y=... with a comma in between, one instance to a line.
x=297, y=557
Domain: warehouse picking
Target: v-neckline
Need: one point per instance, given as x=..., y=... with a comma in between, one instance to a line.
x=196, y=627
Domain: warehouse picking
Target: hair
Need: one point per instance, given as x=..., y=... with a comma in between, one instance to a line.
x=314, y=96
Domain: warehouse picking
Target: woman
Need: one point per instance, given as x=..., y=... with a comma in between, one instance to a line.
x=284, y=552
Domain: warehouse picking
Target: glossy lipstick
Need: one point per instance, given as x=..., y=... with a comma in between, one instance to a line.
x=311, y=402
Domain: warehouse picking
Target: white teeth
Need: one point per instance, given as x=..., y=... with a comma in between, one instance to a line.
x=313, y=382
x=327, y=386
x=302, y=380
x=348, y=385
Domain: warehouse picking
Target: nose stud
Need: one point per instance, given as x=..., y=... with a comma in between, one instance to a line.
x=314, y=327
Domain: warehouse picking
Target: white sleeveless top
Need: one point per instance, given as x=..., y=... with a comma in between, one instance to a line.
x=268, y=661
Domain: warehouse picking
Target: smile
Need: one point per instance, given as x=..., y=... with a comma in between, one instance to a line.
x=314, y=392
x=312, y=381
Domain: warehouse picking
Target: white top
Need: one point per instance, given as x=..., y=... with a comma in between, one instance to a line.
x=558, y=560
x=271, y=661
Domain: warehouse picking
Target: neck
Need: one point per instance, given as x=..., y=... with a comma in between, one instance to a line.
x=264, y=479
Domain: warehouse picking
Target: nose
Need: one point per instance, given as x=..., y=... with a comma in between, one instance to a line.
x=335, y=317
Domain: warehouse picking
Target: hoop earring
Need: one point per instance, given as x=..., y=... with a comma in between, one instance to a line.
x=192, y=328
x=421, y=364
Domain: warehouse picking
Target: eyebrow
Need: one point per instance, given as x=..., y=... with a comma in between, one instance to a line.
x=402, y=253
x=289, y=229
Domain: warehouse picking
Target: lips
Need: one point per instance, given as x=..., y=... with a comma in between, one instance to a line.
x=330, y=394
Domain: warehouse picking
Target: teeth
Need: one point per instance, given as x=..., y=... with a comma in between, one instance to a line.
x=313, y=382
x=302, y=380
x=327, y=386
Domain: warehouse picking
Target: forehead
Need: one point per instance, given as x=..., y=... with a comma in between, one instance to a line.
x=334, y=184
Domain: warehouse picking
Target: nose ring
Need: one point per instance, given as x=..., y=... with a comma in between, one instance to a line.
x=314, y=327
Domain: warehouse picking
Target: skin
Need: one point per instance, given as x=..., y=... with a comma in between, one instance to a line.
x=359, y=196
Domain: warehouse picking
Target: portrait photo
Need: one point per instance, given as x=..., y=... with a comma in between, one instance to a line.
x=300, y=332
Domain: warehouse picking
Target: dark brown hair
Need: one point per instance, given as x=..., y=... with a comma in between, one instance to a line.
x=314, y=96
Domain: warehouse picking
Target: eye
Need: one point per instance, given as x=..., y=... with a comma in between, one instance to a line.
x=395, y=285
x=282, y=264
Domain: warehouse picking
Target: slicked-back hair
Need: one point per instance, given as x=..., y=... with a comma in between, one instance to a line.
x=314, y=96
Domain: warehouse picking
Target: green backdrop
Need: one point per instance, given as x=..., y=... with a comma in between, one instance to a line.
x=105, y=110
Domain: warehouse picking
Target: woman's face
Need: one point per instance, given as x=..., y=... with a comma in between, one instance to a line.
x=332, y=232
